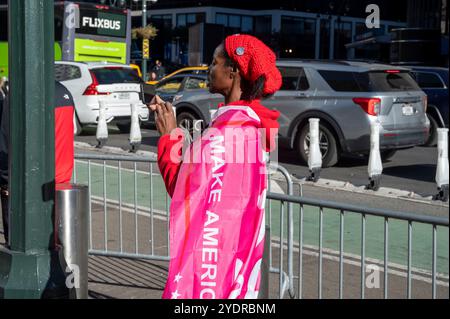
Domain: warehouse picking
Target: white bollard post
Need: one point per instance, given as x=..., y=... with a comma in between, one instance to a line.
x=102, y=127
x=174, y=111
x=135, y=129
x=375, y=167
x=442, y=165
x=314, y=154
x=197, y=129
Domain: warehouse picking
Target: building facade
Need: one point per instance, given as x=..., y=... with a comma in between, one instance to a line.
x=291, y=33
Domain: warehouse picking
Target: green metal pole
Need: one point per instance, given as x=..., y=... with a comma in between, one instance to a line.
x=31, y=269
x=144, y=24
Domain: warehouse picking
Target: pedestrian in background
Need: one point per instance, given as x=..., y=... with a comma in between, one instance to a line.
x=4, y=127
x=64, y=147
x=159, y=70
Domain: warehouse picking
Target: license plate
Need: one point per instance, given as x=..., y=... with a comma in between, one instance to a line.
x=407, y=110
x=123, y=96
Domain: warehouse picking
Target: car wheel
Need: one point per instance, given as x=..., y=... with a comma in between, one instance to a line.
x=77, y=125
x=124, y=128
x=185, y=120
x=387, y=154
x=432, y=139
x=327, y=144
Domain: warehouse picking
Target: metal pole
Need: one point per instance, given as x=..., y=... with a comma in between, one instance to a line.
x=31, y=269
x=265, y=268
x=144, y=24
x=72, y=212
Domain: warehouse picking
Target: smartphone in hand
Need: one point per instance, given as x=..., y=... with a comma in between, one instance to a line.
x=148, y=92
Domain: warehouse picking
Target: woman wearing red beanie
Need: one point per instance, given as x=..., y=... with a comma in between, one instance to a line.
x=217, y=218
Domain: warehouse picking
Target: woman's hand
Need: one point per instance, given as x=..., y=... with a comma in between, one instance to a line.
x=164, y=115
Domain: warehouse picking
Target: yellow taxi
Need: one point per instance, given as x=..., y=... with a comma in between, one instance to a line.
x=186, y=70
x=137, y=68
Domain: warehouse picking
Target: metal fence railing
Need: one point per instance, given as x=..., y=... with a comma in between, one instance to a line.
x=129, y=218
x=342, y=210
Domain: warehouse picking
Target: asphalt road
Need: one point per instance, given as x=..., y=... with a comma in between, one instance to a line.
x=412, y=169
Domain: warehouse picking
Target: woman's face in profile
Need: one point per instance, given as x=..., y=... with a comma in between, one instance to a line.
x=219, y=75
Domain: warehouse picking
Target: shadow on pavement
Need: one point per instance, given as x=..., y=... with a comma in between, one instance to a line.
x=110, y=277
x=422, y=172
x=150, y=140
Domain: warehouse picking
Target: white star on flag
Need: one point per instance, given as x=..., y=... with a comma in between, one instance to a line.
x=175, y=294
x=177, y=278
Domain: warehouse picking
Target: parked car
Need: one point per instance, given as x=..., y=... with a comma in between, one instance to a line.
x=174, y=86
x=89, y=82
x=347, y=97
x=434, y=82
x=168, y=88
x=201, y=70
x=137, y=68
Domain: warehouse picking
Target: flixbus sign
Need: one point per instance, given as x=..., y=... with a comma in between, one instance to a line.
x=103, y=23
x=96, y=33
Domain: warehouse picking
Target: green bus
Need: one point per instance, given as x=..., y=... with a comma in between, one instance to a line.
x=83, y=32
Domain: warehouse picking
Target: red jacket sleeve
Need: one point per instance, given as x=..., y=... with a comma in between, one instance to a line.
x=170, y=158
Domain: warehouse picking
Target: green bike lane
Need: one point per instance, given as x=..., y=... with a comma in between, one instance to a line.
x=151, y=194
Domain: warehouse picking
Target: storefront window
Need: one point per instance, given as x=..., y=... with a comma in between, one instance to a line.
x=342, y=36
x=222, y=19
x=293, y=29
x=189, y=19
x=247, y=24
x=234, y=21
x=324, y=50
x=181, y=20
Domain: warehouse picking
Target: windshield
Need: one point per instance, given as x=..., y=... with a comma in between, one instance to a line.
x=111, y=75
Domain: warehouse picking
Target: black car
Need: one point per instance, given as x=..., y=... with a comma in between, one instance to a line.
x=434, y=82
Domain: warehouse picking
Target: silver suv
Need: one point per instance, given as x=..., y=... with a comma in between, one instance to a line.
x=346, y=96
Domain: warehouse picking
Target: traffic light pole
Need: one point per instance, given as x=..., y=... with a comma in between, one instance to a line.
x=144, y=24
x=31, y=268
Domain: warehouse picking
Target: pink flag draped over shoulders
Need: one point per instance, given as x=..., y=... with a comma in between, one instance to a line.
x=217, y=212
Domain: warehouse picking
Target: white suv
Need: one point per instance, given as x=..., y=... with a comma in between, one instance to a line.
x=91, y=82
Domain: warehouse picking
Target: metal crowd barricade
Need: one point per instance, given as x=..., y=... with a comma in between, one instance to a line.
x=133, y=236
x=363, y=212
x=101, y=165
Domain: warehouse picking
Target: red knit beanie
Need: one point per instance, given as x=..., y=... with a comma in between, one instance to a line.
x=254, y=59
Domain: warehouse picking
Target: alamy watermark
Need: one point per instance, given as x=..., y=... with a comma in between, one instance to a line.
x=73, y=277
x=234, y=145
x=373, y=19
x=372, y=277
x=72, y=17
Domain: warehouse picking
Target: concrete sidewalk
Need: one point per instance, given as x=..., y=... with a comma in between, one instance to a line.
x=125, y=278
x=114, y=277
x=111, y=277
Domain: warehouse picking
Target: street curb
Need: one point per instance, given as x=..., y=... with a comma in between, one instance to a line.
x=112, y=150
x=384, y=192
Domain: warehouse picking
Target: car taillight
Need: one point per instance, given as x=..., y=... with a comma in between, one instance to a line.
x=425, y=103
x=92, y=88
x=370, y=105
